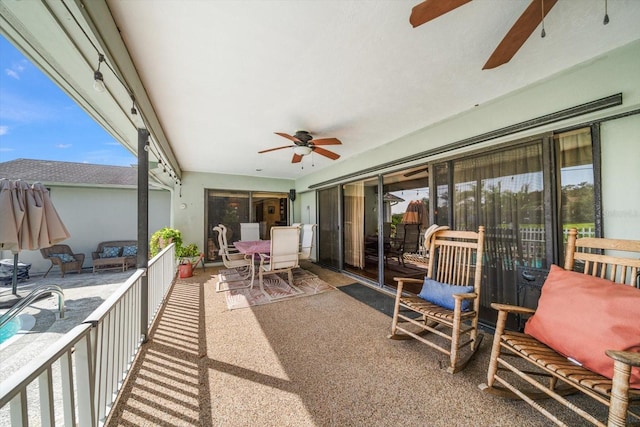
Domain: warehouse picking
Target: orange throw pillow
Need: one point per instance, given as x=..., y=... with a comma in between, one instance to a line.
x=581, y=316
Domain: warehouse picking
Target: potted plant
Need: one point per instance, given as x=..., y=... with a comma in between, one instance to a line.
x=162, y=238
x=187, y=255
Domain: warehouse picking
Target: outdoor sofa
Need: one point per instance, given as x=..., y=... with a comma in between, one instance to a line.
x=115, y=254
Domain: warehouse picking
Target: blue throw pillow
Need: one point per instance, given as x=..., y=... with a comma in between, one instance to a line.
x=129, y=251
x=110, y=252
x=441, y=294
x=64, y=257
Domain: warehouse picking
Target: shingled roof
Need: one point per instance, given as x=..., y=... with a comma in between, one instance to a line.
x=50, y=172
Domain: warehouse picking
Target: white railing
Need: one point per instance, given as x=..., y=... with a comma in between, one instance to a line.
x=80, y=376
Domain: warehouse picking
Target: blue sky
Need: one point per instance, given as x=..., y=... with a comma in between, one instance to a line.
x=39, y=121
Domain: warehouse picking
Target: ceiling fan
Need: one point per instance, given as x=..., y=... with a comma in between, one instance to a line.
x=305, y=144
x=512, y=41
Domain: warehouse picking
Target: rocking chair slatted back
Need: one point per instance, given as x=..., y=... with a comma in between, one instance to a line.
x=587, y=251
x=454, y=260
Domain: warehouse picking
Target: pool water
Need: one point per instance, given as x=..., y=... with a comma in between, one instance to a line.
x=16, y=328
x=10, y=329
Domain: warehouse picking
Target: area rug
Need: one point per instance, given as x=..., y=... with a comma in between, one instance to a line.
x=275, y=285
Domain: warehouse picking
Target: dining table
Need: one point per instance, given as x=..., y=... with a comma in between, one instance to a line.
x=253, y=248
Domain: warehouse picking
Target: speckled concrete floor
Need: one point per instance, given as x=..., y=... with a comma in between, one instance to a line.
x=322, y=360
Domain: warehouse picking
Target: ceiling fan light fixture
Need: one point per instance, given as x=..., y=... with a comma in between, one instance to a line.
x=302, y=150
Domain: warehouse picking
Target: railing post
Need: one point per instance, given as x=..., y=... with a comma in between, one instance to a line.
x=143, y=227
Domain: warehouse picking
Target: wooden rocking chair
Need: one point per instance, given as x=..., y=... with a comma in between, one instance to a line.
x=452, y=291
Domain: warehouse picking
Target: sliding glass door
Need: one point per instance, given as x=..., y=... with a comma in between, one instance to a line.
x=384, y=226
x=329, y=238
x=503, y=191
x=234, y=207
x=405, y=219
x=526, y=197
x=361, y=228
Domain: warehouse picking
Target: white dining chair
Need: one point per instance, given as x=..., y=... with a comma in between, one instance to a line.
x=283, y=256
x=243, y=264
x=249, y=231
x=307, y=240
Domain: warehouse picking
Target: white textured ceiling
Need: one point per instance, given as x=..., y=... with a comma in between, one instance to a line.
x=225, y=75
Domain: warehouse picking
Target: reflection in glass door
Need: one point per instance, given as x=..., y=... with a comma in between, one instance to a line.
x=577, y=180
x=502, y=191
x=387, y=242
x=405, y=219
x=329, y=227
x=361, y=228
x=268, y=210
x=230, y=209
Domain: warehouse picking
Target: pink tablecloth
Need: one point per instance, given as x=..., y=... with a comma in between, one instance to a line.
x=253, y=246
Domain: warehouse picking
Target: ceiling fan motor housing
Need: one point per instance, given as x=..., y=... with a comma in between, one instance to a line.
x=303, y=136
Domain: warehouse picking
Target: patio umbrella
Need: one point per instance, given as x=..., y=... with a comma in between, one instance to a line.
x=29, y=220
x=416, y=213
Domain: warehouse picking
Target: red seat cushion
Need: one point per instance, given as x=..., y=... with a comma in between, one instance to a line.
x=581, y=316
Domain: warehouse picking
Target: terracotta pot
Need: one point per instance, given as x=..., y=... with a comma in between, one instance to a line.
x=164, y=243
x=185, y=270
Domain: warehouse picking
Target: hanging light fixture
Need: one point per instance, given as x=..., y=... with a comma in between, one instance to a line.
x=98, y=79
x=302, y=150
x=134, y=112
x=606, y=14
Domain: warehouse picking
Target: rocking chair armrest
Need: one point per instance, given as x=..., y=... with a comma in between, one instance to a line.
x=512, y=308
x=401, y=281
x=627, y=357
x=470, y=295
x=408, y=280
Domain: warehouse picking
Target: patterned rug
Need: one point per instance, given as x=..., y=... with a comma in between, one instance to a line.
x=275, y=285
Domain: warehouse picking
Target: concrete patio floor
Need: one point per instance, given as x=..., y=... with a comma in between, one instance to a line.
x=319, y=360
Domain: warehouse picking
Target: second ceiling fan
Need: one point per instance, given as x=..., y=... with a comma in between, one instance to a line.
x=512, y=41
x=305, y=144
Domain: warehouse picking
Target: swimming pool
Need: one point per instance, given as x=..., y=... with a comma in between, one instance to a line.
x=15, y=328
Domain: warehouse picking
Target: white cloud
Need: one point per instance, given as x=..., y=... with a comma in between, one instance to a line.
x=4, y=130
x=63, y=146
x=16, y=69
x=5, y=149
x=12, y=73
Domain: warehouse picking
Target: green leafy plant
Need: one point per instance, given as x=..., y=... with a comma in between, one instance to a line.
x=189, y=251
x=162, y=238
